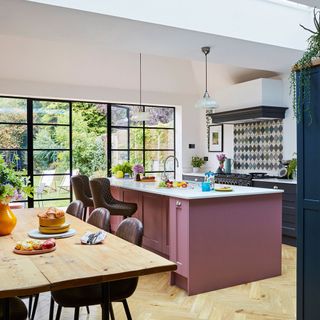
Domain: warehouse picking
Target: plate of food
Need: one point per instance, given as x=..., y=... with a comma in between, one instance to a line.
x=223, y=188
x=31, y=247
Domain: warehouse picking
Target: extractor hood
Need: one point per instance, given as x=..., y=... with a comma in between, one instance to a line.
x=253, y=114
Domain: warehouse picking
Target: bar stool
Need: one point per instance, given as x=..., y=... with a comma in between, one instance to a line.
x=102, y=197
x=81, y=188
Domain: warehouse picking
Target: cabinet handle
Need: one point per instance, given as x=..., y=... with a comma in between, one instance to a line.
x=196, y=179
x=275, y=187
x=178, y=204
x=178, y=263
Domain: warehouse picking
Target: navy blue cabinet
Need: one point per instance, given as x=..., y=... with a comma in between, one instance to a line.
x=308, y=218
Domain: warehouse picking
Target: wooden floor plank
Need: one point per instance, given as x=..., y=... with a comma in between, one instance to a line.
x=155, y=299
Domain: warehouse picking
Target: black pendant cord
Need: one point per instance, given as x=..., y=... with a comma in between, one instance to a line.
x=140, y=91
x=206, y=73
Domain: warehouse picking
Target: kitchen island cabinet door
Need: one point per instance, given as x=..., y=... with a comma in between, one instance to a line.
x=154, y=219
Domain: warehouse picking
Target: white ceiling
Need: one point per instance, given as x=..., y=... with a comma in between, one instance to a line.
x=39, y=21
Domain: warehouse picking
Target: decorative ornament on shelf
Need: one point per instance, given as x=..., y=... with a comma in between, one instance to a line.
x=300, y=76
x=221, y=158
x=13, y=186
x=140, y=115
x=197, y=163
x=138, y=169
x=206, y=102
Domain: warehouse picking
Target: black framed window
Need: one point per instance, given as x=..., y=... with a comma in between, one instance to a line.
x=53, y=139
x=146, y=142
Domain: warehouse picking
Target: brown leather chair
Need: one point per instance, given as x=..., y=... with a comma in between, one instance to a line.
x=75, y=208
x=81, y=189
x=100, y=218
x=102, y=198
x=130, y=229
x=17, y=311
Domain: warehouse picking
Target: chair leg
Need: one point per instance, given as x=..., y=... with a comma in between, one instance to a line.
x=30, y=306
x=35, y=305
x=51, y=309
x=111, y=312
x=88, y=310
x=76, y=313
x=84, y=215
x=58, y=315
x=126, y=309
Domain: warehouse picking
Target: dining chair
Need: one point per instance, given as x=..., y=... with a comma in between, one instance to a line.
x=100, y=218
x=18, y=310
x=81, y=189
x=130, y=229
x=102, y=197
x=75, y=208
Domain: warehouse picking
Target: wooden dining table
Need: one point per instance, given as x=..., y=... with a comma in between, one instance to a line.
x=72, y=264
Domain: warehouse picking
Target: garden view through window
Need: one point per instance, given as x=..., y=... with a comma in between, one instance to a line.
x=52, y=140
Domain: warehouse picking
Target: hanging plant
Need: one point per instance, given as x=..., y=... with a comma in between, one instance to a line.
x=301, y=101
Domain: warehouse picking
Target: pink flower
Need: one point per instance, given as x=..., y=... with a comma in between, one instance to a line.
x=221, y=157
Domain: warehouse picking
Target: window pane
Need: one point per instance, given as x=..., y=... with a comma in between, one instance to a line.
x=50, y=137
x=52, y=203
x=19, y=158
x=136, y=139
x=155, y=160
x=136, y=157
x=89, y=138
x=159, y=139
x=13, y=136
x=13, y=110
x=119, y=139
x=50, y=112
x=120, y=116
x=51, y=161
x=160, y=117
x=118, y=157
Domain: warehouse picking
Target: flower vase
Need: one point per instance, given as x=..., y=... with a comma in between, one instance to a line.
x=138, y=178
x=7, y=220
x=220, y=168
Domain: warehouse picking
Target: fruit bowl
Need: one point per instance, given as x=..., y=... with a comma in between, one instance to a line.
x=173, y=184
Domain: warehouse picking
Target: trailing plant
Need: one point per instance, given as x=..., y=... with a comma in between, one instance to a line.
x=301, y=99
x=292, y=167
x=197, y=162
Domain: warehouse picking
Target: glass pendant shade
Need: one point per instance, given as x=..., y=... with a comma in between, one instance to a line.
x=206, y=102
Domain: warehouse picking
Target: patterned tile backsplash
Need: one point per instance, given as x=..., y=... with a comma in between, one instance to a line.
x=258, y=145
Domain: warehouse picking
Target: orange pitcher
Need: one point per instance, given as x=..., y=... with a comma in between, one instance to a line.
x=7, y=220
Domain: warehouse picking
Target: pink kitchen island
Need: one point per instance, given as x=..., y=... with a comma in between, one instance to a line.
x=217, y=239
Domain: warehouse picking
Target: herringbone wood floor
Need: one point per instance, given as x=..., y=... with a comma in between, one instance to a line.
x=270, y=299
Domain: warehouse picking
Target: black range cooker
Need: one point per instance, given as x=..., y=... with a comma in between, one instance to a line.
x=240, y=179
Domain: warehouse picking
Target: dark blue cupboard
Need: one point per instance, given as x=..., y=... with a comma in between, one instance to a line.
x=308, y=218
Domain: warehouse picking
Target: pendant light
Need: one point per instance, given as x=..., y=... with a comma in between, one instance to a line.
x=140, y=115
x=206, y=102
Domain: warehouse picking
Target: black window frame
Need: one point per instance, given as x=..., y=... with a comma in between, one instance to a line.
x=30, y=148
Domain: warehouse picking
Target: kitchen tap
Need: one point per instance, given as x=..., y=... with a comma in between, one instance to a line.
x=164, y=176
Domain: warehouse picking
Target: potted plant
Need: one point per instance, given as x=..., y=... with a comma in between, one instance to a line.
x=137, y=170
x=301, y=101
x=221, y=158
x=121, y=169
x=292, y=168
x=13, y=186
x=197, y=163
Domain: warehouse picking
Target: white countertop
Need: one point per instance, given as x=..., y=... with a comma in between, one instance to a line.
x=275, y=180
x=189, y=193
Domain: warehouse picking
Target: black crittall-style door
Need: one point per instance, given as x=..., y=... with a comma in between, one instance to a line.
x=308, y=285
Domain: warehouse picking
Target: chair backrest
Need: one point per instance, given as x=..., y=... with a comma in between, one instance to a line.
x=65, y=182
x=100, y=218
x=81, y=188
x=101, y=192
x=75, y=208
x=131, y=229
x=48, y=178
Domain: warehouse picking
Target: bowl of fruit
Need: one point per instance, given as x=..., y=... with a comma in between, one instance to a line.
x=173, y=184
